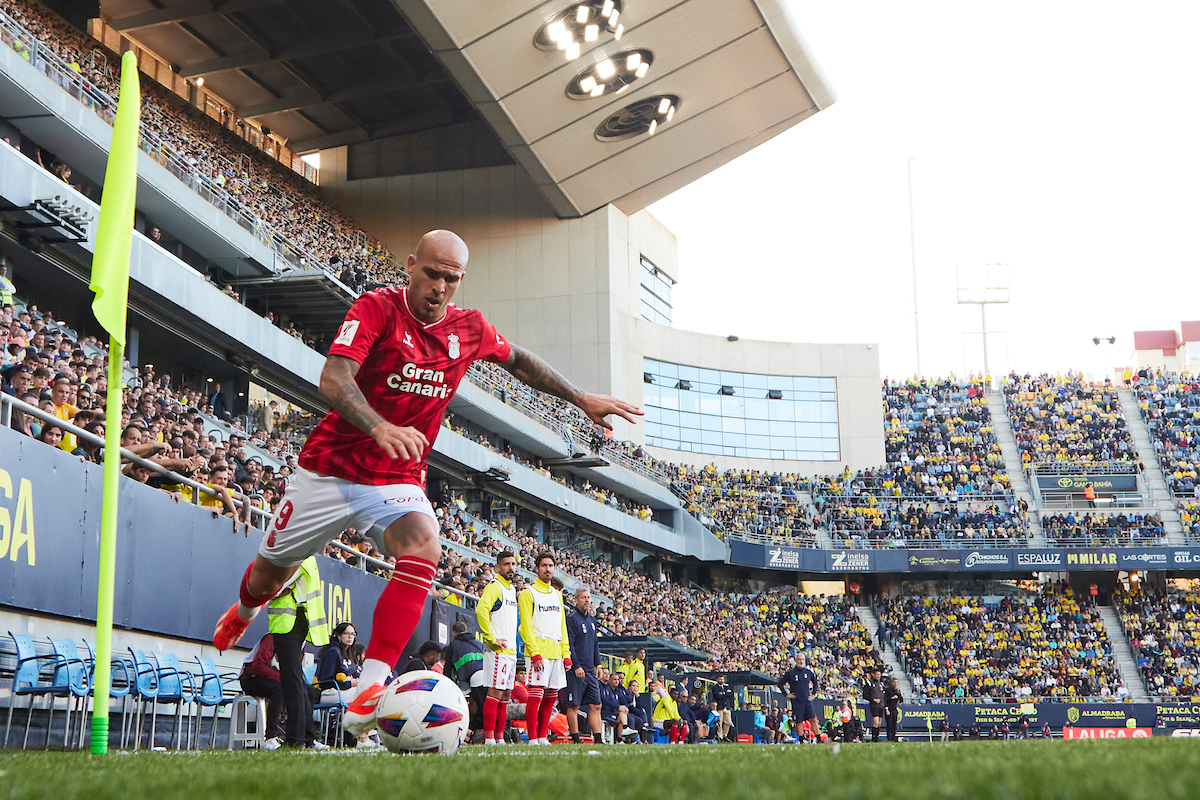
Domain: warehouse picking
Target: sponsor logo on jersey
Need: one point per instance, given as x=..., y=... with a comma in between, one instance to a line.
x=346, y=333
x=452, y=345
x=419, y=381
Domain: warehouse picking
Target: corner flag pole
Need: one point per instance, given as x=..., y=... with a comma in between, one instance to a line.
x=110, y=282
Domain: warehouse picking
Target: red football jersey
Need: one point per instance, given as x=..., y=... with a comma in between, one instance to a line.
x=409, y=372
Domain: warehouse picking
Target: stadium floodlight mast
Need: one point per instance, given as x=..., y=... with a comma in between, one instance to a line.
x=983, y=286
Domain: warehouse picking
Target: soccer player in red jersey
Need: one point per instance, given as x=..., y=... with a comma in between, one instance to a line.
x=392, y=369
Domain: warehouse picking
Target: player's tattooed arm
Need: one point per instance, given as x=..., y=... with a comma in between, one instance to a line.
x=341, y=390
x=533, y=371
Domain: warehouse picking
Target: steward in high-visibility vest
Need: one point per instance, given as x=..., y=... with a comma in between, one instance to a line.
x=306, y=590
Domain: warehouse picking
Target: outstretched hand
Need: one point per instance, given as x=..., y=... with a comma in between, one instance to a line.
x=599, y=406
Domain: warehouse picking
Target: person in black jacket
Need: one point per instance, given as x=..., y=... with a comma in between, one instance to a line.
x=873, y=693
x=426, y=657
x=337, y=673
x=583, y=689
x=892, y=698
x=722, y=695
x=464, y=665
x=688, y=718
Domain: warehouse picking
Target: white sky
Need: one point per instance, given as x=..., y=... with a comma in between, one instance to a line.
x=1059, y=138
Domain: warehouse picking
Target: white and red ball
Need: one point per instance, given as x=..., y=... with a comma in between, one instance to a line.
x=422, y=712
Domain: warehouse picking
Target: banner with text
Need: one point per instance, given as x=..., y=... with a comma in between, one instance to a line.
x=800, y=559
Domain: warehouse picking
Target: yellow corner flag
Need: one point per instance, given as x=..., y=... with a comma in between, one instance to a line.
x=114, y=230
x=110, y=282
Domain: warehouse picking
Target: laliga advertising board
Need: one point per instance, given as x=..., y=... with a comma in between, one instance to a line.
x=1107, y=733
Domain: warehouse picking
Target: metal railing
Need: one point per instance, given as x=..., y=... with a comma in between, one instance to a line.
x=1056, y=467
x=1118, y=538
x=850, y=540
x=1051, y=500
x=258, y=517
x=879, y=501
x=804, y=539
x=197, y=176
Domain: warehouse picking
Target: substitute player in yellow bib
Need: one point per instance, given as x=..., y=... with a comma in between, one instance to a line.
x=544, y=631
x=497, y=617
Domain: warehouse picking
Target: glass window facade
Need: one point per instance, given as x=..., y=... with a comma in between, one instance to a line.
x=740, y=414
x=656, y=294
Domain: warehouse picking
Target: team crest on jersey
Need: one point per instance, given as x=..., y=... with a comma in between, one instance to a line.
x=452, y=345
x=408, y=339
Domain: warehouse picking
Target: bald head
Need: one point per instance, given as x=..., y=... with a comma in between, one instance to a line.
x=435, y=271
x=443, y=247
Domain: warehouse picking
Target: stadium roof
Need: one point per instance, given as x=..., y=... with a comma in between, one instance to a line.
x=658, y=648
x=325, y=73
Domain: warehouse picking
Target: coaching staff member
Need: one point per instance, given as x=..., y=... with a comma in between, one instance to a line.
x=873, y=693
x=582, y=687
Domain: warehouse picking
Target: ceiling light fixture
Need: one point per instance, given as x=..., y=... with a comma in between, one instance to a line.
x=646, y=116
x=582, y=22
x=610, y=75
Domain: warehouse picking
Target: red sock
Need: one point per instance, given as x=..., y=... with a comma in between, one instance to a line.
x=399, y=608
x=501, y=719
x=546, y=711
x=674, y=735
x=532, y=711
x=249, y=599
x=491, y=706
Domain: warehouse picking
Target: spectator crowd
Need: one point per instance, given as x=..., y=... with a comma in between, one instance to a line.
x=1065, y=419
x=233, y=174
x=1037, y=645
x=1164, y=631
x=1170, y=405
x=1104, y=530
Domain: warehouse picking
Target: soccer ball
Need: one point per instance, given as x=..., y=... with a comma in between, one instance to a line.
x=422, y=712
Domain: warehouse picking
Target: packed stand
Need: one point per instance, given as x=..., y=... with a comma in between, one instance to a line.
x=214, y=159
x=1042, y=645
x=740, y=630
x=748, y=503
x=1104, y=530
x=939, y=442
x=1170, y=405
x=1164, y=632
x=46, y=365
x=859, y=521
x=1064, y=419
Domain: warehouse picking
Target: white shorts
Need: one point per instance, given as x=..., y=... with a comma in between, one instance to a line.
x=552, y=675
x=500, y=669
x=317, y=508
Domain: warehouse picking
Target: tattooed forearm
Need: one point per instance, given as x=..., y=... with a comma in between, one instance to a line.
x=535, y=372
x=339, y=388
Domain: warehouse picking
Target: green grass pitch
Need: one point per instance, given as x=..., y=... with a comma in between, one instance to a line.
x=1155, y=768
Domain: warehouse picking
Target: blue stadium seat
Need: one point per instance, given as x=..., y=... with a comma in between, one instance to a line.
x=324, y=712
x=28, y=681
x=176, y=686
x=145, y=690
x=72, y=680
x=121, y=684
x=211, y=694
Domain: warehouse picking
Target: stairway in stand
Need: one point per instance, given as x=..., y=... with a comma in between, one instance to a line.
x=1160, y=496
x=1123, y=655
x=871, y=623
x=1012, y=462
